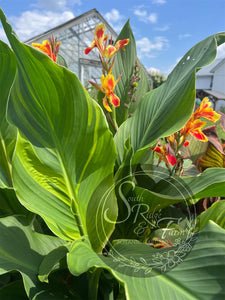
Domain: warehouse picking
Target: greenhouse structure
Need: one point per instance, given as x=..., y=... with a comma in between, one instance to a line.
x=76, y=35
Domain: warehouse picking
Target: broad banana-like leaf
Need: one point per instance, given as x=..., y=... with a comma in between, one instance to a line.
x=23, y=250
x=7, y=131
x=65, y=154
x=216, y=213
x=166, y=109
x=199, y=275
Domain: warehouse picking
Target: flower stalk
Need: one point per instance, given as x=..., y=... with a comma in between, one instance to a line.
x=108, y=82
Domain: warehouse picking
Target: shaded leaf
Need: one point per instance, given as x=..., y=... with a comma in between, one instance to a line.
x=23, y=250
x=10, y=205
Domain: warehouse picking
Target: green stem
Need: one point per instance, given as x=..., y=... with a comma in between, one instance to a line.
x=93, y=283
x=114, y=118
x=110, y=121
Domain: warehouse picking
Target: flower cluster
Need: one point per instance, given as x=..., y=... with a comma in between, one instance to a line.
x=50, y=47
x=195, y=124
x=163, y=153
x=106, y=53
x=193, y=127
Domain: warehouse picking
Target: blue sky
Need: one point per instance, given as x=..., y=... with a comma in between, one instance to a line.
x=164, y=29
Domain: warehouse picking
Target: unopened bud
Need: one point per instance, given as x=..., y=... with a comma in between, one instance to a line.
x=135, y=84
x=126, y=105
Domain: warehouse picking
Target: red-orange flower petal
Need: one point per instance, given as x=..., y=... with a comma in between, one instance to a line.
x=106, y=104
x=186, y=143
x=121, y=44
x=87, y=50
x=46, y=48
x=159, y=150
x=164, y=155
x=205, y=111
x=110, y=51
x=100, y=37
x=99, y=33
x=199, y=135
x=171, y=159
x=114, y=99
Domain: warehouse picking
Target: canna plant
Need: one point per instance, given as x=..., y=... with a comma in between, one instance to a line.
x=86, y=212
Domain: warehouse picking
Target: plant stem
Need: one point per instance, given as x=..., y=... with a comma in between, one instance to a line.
x=111, y=122
x=114, y=118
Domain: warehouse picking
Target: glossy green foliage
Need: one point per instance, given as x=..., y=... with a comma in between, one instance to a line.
x=61, y=169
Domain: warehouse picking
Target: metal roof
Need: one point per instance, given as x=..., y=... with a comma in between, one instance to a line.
x=210, y=69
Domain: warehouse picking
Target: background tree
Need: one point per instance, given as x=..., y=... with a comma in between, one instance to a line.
x=157, y=78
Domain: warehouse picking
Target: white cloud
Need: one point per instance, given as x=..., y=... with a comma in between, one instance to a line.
x=140, y=13
x=3, y=36
x=153, y=18
x=163, y=28
x=221, y=51
x=146, y=46
x=31, y=23
x=143, y=16
x=154, y=70
x=115, y=19
x=184, y=36
x=159, y=1
x=113, y=16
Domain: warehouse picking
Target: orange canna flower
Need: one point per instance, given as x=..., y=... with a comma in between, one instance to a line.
x=100, y=41
x=111, y=50
x=108, y=85
x=205, y=111
x=194, y=127
x=50, y=48
x=163, y=154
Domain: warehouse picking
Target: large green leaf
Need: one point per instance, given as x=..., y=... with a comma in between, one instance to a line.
x=64, y=164
x=200, y=275
x=124, y=64
x=139, y=206
x=7, y=132
x=210, y=183
x=166, y=109
x=216, y=213
x=22, y=249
